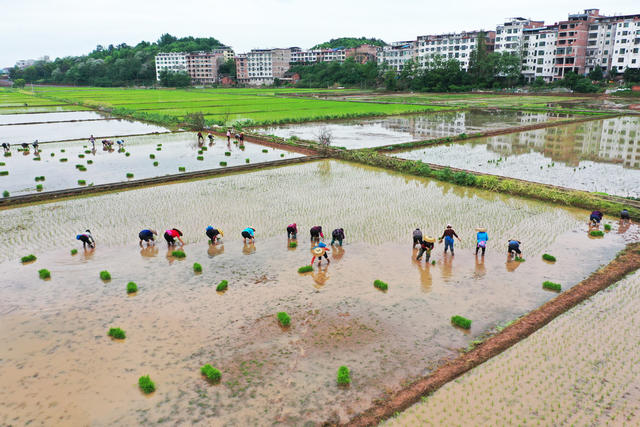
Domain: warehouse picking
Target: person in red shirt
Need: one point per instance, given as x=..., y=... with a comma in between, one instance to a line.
x=171, y=235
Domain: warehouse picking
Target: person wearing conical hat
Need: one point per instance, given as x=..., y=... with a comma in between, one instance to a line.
x=426, y=245
x=320, y=251
x=481, y=239
x=213, y=233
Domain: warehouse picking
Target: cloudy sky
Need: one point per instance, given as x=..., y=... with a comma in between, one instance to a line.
x=33, y=28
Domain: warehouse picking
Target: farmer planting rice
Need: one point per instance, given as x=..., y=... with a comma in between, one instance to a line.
x=200, y=138
x=514, y=247
x=87, y=239
x=6, y=147
x=448, y=236
x=316, y=233
x=624, y=215
x=213, y=233
x=320, y=251
x=171, y=235
x=337, y=235
x=417, y=237
x=146, y=235
x=595, y=218
x=426, y=246
x=249, y=233
x=481, y=239
x=210, y=136
x=292, y=231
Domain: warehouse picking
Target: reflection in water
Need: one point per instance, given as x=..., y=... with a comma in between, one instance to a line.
x=149, y=251
x=447, y=266
x=248, y=248
x=320, y=275
x=337, y=253
x=215, y=250
x=480, y=270
x=424, y=268
x=88, y=253
x=512, y=264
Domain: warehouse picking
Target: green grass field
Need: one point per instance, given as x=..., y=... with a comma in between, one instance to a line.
x=224, y=106
x=13, y=101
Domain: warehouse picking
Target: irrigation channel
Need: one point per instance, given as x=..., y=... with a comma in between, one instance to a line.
x=177, y=321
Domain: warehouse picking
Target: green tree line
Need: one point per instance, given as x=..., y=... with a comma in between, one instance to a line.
x=349, y=42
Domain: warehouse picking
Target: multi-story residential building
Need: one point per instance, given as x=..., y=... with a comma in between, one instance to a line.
x=364, y=53
x=538, y=52
x=397, y=54
x=262, y=66
x=203, y=66
x=226, y=52
x=626, y=48
x=571, y=43
x=451, y=46
x=317, y=55
x=175, y=62
x=510, y=35
x=242, y=68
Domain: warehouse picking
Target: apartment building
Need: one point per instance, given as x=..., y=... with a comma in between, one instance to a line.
x=364, y=53
x=317, y=55
x=203, y=66
x=397, y=54
x=451, y=46
x=626, y=48
x=571, y=43
x=262, y=66
x=510, y=35
x=539, y=52
x=175, y=62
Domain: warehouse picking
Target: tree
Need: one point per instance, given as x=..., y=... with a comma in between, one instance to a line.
x=596, y=74
x=19, y=83
x=631, y=75
x=227, y=68
x=171, y=79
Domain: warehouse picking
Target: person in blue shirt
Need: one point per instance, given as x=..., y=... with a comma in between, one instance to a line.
x=514, y=247
x=320, y=251
x=482, y=238
x=249, y=233
x=147, y=235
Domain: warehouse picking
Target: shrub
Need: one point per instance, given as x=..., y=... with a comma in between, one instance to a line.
x=5, y=193
x=28, y=258
x=596, y=233
x=155, y=163
x=74, y=251
x=293, y=244
x=607, y=227
x=305, y=269
x=132, y=288
x=344, y=377
x=222, y=286
x=548, y=257
x=264, y=150
x=4, y=173
x=129, y=175
x=552, y=286
x=117, y=333
x=247, y=160
x=181, y=169
x=211, y=373
x=146, y=385
x=380, y=285
x=44, y=274
x=105, y=275
x=82, y=182
x=461, y=322
x=223, y=163
x=227, y=153
x=178, y=254
x=200, y=158
x=284, y=319
x=197, y=267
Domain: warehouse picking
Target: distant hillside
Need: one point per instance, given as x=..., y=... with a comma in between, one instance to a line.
x=348, y=42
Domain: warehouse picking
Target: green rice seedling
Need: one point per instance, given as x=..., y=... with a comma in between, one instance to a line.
x=222, y=286
x=548, y=257
x=146, y=385
x=212, y=374
x=247, y=160
x=197, y=268
x=282, y=155
x=4, y=173
x=433, y=262
x=227, y=153
x=82, y=182
x=36, y=159
x=380, y=285
x=87, y=151
x=199, y=151
x=462, y=322
x=5, y=193
x=284, y=319
x=63, y=160
x=178, y=254
x=158, y=149
x=78, y=166
x=53, y=154
x=607, y=227
x=552, y=286
x=89, y=162
x=596, y=233
x=105, y=275
x=264, y=150
x=44, y=274
x=152, y=156
x=305, y=269
x=62, y=150
x=344, y=376
x=81, y=156
x=127, y=154
x=2, y=163
x=159, y=145
x=519, y=259
x=129, y=175
x=28, y=258
x=182, y=169
x=8, y=154
x=293, y=244
x=39, y=187
x=200, y=158
x=117, y=333
x=223, y=163
x=74, y=251
x=155, y=163
x=132, y=288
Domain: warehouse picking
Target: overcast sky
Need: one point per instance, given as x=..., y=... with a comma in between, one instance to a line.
x=33, y=28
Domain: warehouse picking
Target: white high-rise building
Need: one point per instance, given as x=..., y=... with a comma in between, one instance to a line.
x=539, y=52
x=456, y=46
x=626, y=46
x=397, y=54
x=175, y=62
x=510, y=35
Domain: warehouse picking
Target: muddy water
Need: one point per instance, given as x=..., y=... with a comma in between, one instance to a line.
x=7, y=119
x=397, y=129
x=602, y=155
x=45, y=132
x=59, y=367
x=177, y=150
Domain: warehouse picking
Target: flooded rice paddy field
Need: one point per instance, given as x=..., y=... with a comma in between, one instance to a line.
x=66, y=116
x=45, y=132
x=375, y=132
x=58, y=365
x=600, y=155
x=40, y=109
x=580, y=369
x=176, y=150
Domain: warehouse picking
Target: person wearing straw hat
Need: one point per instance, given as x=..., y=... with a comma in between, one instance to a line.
x=448, y=236
x=213, y=233
x=320, y=251
x=426, y=245
x=482, y=238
